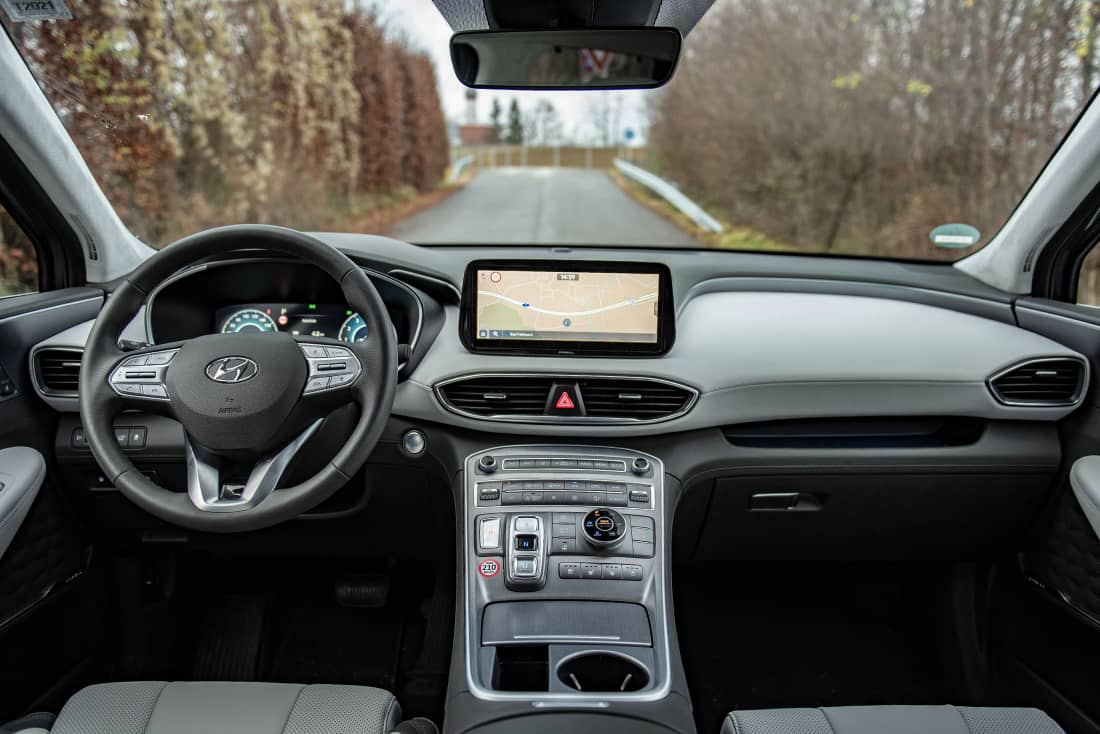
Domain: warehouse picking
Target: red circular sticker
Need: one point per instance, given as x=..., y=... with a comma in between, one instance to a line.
x=488, y=568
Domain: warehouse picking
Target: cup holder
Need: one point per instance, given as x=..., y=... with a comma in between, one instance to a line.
x=601, y=672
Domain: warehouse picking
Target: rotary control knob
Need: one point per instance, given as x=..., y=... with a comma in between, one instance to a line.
x=487, y=464
x=604, y=528
x=640, y=466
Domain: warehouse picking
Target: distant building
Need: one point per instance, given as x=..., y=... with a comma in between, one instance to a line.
x=477, y=134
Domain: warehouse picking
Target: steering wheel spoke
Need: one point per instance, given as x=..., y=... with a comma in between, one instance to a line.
x=332, y=367
x=211, y=492
x=140, y=379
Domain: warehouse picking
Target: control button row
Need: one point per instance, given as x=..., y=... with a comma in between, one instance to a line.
x=594, y=464
x=600, y=571
x=527, y=497
x=143, y=376
x=329, y=367
x=127, y=437
x=570, y=485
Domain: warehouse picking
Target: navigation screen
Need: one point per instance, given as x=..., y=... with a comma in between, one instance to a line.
x=567, y=305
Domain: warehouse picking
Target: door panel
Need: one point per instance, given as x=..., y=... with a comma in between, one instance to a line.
x=49, y=608
x=1046, y=611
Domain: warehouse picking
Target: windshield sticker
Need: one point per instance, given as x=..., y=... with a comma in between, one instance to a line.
x=955, y=235
x=25, y=10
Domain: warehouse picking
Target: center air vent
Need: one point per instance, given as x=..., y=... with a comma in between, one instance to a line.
x=539, y=398
x=57, y=371
x=1040, y=382
x=637, y=399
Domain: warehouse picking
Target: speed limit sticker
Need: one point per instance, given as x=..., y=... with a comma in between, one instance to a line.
x=488, y=568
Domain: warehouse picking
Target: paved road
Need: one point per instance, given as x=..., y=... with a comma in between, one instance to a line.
x=559, y=206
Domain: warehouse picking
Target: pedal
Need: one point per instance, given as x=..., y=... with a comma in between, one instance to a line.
x=364, y=591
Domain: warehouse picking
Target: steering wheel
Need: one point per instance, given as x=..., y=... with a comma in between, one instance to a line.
x=243, y=399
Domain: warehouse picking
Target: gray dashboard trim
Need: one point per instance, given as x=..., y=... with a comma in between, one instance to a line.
x=767, y=355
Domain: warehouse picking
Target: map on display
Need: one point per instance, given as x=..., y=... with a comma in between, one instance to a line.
x=567, y=306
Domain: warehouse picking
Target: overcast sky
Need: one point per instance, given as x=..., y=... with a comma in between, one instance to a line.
x=422, y=23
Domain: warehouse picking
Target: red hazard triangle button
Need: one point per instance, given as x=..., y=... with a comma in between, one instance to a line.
x=564, y=401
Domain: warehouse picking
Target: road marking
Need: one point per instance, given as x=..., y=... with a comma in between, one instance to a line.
x=620, y=304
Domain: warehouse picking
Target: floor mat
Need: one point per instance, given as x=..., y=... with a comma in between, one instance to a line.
x=230, y=632
x=320, y=642
x=782, y=635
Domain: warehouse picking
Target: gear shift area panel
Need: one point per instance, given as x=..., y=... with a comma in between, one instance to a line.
x=557, y=538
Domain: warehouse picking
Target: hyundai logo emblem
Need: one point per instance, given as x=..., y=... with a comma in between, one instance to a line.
x=232, y=369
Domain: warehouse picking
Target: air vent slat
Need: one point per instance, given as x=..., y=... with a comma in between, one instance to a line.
x=605, y=399
x=1044, y=382
x=58, y=371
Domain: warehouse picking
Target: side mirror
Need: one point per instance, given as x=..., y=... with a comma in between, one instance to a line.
x=589, y=58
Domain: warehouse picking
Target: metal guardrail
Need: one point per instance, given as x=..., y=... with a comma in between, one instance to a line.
x=669, y=193
x=458, y=166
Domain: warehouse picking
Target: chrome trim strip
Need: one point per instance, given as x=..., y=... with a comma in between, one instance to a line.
x=661, y=644
x=36, y=311
x=437, y=389
x=1078, y=395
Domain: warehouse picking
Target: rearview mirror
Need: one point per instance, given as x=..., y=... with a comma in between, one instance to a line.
x=589, y=58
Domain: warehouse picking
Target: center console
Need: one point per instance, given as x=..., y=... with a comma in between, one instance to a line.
x=566, y=604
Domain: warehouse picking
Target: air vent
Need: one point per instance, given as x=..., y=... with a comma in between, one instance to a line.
x=531, y=398
x=1040, y=382
x=492, y=396
x=58, y=371
x=637, y=399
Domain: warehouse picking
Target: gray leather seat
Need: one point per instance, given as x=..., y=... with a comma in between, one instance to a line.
x=148, y=707
x=891, y=720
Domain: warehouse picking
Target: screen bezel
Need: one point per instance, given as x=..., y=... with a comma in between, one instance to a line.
x=666, y=319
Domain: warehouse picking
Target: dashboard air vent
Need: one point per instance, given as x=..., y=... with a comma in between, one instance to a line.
x=565, y=399
x=58, y=371
x=489, y=396
x=1040, y=382
x=637, y=399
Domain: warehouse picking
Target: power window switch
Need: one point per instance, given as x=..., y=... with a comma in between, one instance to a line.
x=569, y=570
x=612, y=571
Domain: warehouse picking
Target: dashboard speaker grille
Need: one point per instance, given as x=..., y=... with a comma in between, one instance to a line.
x=489, y=396
x=58, y=371
x=1040, y=382
x=638, y=399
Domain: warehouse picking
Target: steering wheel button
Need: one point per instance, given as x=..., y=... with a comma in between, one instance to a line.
x=127, y=388
x=337, y=352
x=317, y=383
x=136, y=361
x=314, y=351
x=332, y=366
x=338, y=380
x=154, y=391
x=159, y=358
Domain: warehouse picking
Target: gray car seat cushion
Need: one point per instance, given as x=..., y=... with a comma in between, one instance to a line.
x=243, y=708
x=891, y=720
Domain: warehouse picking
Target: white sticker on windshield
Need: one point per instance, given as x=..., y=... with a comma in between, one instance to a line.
x=23, y=10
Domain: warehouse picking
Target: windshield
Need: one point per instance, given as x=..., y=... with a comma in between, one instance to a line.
x=851, y=127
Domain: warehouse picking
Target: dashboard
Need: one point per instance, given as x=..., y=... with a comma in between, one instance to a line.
x=756, y=337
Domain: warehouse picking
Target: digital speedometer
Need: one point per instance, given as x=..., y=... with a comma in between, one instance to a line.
x=247, y=320
x=354, y=329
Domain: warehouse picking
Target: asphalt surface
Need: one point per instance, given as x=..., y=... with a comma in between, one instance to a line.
x=558, y=206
